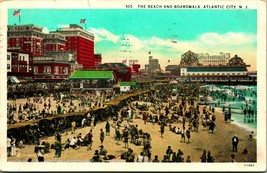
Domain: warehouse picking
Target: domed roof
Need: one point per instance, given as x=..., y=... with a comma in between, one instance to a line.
x=236, y=61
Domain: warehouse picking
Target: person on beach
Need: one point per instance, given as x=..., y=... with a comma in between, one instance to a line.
x=145, y=117
x=125, y=137
x=169, y=152
x=183, y=135
x=225, y=116
x=102, y=136
x=162, y=126
x=251, y=135
x=233, y=158
x=188, y=160
x=39, y=150
x=103, y=152
x=130, y=155
x=89, y=140
x=83, y=122
x=235, y=141
x=73, y=127
x=210, y=158
x=212, y=126
x=13, y=147
x=188, y=135
x=58, y=148
x=107, y=127
x=73, y=143
x=8, y=146
x=156, y=159
x=117, y=134
x=203, y=157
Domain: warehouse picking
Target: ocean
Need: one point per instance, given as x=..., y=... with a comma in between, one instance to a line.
x=238, y=97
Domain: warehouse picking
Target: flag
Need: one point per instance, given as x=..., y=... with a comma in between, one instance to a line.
x=16, y=13
x=149, y=52
x=124, y=61
x=83, y=21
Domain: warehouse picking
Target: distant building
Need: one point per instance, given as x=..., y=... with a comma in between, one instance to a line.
x=81, y=41
x=121, y=71
x=92, y=79
x=173, y=69
x=26, y=38
x=153, y=64
x=234, y=71
x=54, y=42
x=206, y=60
x=53, y=66
x=132, y=62
x=18, y=64
x=31, y=40
x=152, y=67
x=98, y=59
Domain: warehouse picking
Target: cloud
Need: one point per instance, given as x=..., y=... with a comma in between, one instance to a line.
x=242, y=44
x=45, y=30
x=229, y=38
x=102, y=34
x=63, y=25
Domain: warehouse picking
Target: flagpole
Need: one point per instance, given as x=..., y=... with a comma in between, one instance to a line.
x=19, y=20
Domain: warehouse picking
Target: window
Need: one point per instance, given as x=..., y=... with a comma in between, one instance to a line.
x=56, y=70
x=8, y=66
x=47, y=69
x=65, y=70
x=35, y=70
x=8, y=57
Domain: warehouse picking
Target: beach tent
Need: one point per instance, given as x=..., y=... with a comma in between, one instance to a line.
x=12, y=79
x=126, y=86
x=93, y=78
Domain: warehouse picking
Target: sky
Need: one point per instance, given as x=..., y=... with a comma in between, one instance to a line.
x=167, y=34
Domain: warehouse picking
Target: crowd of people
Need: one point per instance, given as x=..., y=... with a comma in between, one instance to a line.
x=156, y=107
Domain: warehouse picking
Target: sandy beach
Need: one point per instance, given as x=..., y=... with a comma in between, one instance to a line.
x=219, y=143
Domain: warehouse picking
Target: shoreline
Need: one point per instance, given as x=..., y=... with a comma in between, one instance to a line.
x=244, y=126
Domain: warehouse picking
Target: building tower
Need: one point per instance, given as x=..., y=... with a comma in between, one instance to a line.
x=80, y=41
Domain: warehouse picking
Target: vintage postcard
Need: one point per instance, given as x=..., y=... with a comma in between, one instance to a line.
x=104, y=85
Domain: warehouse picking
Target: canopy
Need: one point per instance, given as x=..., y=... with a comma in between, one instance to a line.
x=91, y=74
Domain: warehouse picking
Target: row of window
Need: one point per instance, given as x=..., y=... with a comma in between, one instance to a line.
x=57, y=70
x=16, y=66
x=216, y=73
x=20, y=58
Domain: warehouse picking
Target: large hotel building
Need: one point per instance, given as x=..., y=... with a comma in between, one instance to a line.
x=25, y=42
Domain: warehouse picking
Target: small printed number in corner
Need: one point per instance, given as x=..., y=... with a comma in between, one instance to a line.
x=129, y=6
x=249, y=165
